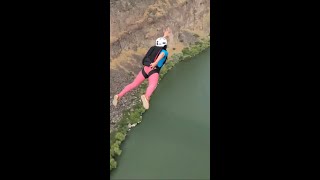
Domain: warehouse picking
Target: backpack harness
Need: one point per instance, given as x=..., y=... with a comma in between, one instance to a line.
x=149, y=58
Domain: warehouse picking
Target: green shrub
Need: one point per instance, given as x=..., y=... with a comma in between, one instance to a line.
x=112, y=137
x=185, y=51
x=113, y=163
x=164, y=70
x=139, y=108
x=134, y=117
x=112, y=154
x=119, y=136
x=116, y=149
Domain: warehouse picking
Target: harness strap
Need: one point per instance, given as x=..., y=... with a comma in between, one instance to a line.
x=153, y=71
x=145, y=75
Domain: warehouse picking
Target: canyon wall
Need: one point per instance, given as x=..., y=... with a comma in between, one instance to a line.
x=134, y=27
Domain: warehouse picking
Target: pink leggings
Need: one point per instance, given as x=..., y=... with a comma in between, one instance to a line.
x=153, y=82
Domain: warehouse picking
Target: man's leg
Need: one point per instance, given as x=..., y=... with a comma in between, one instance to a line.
x=153, y=82
x=136, y=82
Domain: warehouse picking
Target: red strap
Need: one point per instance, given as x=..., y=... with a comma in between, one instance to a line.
x=157, y=56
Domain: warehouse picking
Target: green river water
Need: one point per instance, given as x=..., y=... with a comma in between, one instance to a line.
x=173, y=140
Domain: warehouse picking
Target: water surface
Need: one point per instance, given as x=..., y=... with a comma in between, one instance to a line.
x=173, y=141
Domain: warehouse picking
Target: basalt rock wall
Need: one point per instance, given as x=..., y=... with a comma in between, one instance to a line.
x=134, y=27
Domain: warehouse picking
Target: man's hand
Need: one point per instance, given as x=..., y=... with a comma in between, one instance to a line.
x=167, y=32
x=153, y=65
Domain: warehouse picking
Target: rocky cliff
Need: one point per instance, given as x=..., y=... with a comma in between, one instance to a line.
x=136, y=24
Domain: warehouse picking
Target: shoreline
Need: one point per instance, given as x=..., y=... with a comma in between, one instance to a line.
x=133, y=116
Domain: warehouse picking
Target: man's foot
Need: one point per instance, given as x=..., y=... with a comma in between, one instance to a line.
x=115, y=100
x=145, y=102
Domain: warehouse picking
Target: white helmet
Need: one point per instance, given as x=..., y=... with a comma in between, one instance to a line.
x=161, y=42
